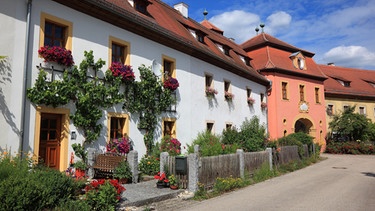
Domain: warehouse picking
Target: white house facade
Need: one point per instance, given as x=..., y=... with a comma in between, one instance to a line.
x=144, y=39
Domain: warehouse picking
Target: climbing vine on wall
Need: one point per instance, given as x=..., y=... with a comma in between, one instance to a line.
x=149, y=99
x=91, y=95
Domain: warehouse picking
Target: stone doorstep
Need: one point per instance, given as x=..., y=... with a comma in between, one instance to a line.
x=147, y=201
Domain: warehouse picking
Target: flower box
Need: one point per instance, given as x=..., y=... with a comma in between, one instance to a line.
x=171, y=84
x=228, y=95
x=124, y=71
x=211, y=92
x=263, y=105
x=56, y=54
x=250, y=101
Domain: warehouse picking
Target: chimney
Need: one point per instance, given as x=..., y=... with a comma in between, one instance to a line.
x=331, y=64
x=182, y=8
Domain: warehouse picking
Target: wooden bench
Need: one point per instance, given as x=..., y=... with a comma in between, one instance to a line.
x=105, y=164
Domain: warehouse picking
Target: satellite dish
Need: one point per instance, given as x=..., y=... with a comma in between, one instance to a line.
x=156, y=68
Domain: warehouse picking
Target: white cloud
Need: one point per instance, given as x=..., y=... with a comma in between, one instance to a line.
x=237, y=24
x=350, y=56
x=278, y=21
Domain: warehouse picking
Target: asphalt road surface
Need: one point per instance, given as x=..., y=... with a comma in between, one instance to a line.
x=341, y=182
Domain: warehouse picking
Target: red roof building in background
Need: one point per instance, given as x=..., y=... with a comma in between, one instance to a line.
x=349, y=87
x=296, y=101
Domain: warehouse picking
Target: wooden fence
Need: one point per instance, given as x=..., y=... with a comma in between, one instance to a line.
x=254, y=160
x=218, y=166
x=232, y=165
x=171, y=168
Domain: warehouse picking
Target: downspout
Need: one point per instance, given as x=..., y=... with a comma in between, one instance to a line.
x=26, y=64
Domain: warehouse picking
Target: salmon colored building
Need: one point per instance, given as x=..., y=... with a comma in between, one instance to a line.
x=295, y=101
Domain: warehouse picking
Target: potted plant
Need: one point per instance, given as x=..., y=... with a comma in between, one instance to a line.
x=173, y=182
x=80, y=169
x=263, y=105
x=162, y=180
x=123, y=172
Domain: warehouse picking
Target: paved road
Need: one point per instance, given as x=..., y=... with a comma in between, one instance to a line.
x=342, y=182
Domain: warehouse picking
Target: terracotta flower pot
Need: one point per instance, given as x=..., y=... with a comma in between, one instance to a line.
x=174, y=187
x=123, y=180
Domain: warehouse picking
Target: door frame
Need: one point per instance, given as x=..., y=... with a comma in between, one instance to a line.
x=64, y=136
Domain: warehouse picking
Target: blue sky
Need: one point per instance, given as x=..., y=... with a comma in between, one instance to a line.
x=339, y=31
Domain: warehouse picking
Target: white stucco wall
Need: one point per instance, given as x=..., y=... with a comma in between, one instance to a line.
x=193, y=109
x=12, y=45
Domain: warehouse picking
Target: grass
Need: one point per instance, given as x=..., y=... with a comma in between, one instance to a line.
x=223, y=185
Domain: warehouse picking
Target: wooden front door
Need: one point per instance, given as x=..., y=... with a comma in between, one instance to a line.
x=49, y=142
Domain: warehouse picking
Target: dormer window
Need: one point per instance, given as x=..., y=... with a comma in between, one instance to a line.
x=140, y=5
x=226, y=50
x=200, y=37
x=220, y=47
x=298, y=60
x=344, y=83
x=245, y=60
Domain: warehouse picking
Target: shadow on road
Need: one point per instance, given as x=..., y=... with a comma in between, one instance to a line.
x=369, y=174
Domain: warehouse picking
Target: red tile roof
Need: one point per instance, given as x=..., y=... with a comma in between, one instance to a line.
x=167, y=26
x=273, y=55
x=360, y=82
x=211, y=26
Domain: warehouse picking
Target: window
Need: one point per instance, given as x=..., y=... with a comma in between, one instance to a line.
x=301, y=93
x=119, y=50
x=285, y=133
x=210, y=127
x=118, y=125
x=284, y=90
x=346, y=83
x=346, y=107
x=317, y=98
x=55, y=31
x=209, y=81
x=169, y=67
x=200, y=37
x=362, y=110
x=54, y=34
x=247, y=61
x=261, y=98
x=169, y=127
x=228, y=126
x=330, y=110
x=248, y=92
x=227, y=90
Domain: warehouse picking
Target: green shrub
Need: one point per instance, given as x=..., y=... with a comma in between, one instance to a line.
x=350, y=148
x=230, y=136
x=74, y=205
x=103, y=197
x=170, y=145
x=149, y=165
x=209, y=144
x=263, y=173
x=10, y=166
x=36, y=190
x=252, y=135
x=227, y=184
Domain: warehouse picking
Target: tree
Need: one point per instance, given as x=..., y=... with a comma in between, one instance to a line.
x=351, y=126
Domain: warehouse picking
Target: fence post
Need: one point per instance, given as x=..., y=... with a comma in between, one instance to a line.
x=242, y=162
x=163, y=161
x=90, y=162
x=193, y=161
x=269, y=150
x=132, y=159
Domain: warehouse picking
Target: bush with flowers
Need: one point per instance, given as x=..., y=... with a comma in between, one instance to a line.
x=170, y=145
x=124, y=71
x=171, y=83
x=56, y=54
x=103, y=194
x=149, y=165
x=120, y=146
